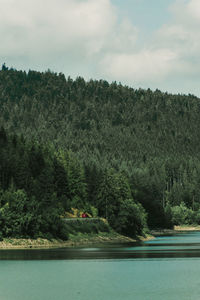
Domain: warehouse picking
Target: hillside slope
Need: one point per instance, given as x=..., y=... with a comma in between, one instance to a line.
x=150, y=137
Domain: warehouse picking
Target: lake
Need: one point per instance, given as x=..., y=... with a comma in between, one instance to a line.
x=164, y=268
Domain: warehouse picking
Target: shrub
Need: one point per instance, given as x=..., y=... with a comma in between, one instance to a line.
x=132, y=219
x=197, y=217
x=103, y=227
x=182, y=215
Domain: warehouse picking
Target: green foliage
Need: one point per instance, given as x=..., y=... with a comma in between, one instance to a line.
x=116, y=204
x=83, y=226
x=18, y=215
x=104, y=144
x=168, y=216
x=74, y=179
x=21, y=216
x=197, y=217
x=182, y=215
x=112, y=191
x=93, y=211
x=132, y=219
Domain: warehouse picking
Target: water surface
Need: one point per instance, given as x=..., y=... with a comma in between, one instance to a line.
x=164, y=268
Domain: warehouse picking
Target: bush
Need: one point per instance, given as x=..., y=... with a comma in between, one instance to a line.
x=85, y=226
x=93, y=211
x=63, y=233
x=132, y=219
x=197, y=217
x=103, y=227
x=182, y=215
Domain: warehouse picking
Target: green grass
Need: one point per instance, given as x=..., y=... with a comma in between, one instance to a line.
x=78, y=227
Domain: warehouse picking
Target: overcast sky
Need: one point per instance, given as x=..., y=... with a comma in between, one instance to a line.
x=140, y=43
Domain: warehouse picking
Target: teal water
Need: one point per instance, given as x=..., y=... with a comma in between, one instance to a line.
x=165, y=268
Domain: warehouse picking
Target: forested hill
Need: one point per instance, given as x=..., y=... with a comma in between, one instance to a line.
x=104, y=122
x=153, y=138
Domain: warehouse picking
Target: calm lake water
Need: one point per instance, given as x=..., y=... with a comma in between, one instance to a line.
x=165, y=268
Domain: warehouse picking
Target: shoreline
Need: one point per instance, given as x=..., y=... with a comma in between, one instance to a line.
x=82, y=240
x=78, y=240
x=175, y=230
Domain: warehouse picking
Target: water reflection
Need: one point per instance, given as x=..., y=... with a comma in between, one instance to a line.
x=178, y=246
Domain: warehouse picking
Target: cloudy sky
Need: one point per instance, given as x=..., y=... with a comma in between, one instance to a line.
x=140, y=43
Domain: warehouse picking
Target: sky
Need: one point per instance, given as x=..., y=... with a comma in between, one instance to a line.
x=140, y=43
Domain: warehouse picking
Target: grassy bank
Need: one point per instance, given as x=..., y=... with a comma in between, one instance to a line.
x=89, y=235
x=81, y=232
x=76, y=240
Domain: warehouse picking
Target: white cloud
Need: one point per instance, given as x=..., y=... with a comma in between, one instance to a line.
x=74, y=34
x=186, y=11
x=36, y=27
x=183, y=36
x=173, y=52
x=123, y=38
x=87, y=37
x=146, y=65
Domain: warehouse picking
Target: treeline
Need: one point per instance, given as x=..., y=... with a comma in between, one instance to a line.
x=39, y=185
x=28, y=206
x=145, y=141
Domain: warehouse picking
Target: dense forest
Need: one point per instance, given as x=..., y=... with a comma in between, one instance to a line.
x=132, y=154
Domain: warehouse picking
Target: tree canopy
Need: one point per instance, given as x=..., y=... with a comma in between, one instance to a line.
x=99, y=144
